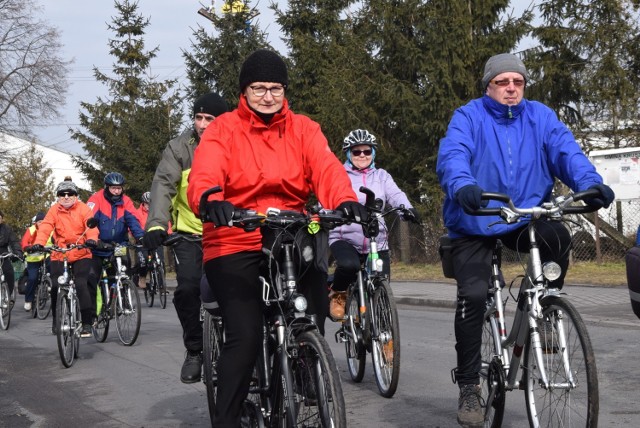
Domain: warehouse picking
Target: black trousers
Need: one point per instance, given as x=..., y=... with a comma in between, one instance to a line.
x=9, y=275
x=234, y=280
x=186, y=298
x=81, y=273
x=472, y=269
x=348, y=261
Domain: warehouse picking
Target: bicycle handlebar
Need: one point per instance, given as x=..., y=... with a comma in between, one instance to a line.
x=559, y=206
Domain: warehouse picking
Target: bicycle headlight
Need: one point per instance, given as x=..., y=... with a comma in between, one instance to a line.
x=379, y=264
x=300, y=303
x=551, y=271
x=123, y=268
x=62, y=279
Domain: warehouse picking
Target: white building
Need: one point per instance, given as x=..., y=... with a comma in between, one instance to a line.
x=60, y=163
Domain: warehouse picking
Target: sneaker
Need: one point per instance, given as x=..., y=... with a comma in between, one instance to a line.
x=192, y=367
x=387, y=349
x=470, y=412
x=337, y=303
x=27, y=306
x=86, y=331
x=548, y=337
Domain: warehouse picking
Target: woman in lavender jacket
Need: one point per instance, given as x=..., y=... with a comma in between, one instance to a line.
x=348, y=243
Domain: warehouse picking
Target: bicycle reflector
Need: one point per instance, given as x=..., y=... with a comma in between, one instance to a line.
x=551, y=271
x=300, y=303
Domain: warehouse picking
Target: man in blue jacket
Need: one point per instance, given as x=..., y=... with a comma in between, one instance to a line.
x=503, y=143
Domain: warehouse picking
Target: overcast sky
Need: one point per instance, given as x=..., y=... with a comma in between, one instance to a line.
x=84, y=34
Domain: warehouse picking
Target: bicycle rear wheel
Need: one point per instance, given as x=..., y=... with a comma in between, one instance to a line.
x=66, y=329
x=319, y=398
x=354, y=347
x=150, y=291
x=212, y=330
x=386, y=346
x=101, y=329
x=5, y=306
x=128, y=315
x=43, y=298
x=566, y=402
x=491, y=375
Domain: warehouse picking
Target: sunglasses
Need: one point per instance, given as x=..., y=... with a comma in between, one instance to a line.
x=505, y=82
x=67, y=194
x=366, y=152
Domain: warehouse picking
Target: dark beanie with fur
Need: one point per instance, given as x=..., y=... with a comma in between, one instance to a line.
x=210, y=103
x=263, y=66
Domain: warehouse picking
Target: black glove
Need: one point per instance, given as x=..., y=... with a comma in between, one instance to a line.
x=354, y=210
x=35, y=248
x=412, y=215
x=16, y=257
x=220, y=213
x=91, y=243
x=470, y=198
x=154, y=238
x=607, y=196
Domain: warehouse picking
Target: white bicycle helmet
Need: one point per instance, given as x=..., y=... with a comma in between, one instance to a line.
x=358, y=137
x=146, y=197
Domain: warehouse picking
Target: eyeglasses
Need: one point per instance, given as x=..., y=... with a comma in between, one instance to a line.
x=66, y=194
x=261, y=91
x=366, y=152
x=505, y=82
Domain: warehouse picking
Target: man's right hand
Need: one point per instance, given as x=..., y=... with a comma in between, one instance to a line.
x=154, y=238
x=220, y=212
x=470, y=198
x=35, y=248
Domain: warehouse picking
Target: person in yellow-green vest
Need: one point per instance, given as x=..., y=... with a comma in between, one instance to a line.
x=34, y=260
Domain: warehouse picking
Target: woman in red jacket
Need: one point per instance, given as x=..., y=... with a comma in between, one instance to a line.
x=262, y=155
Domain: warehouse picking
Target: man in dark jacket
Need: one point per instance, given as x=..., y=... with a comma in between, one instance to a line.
x=9, y=243
x=169, y=202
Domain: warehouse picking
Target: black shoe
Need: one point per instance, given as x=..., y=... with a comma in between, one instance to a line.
x=86, y=331
x=192, y=368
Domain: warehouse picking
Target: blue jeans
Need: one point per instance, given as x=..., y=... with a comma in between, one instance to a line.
x=33, y=268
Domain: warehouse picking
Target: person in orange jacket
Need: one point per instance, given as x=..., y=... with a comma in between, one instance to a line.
x=262, y=155
x=67, y=220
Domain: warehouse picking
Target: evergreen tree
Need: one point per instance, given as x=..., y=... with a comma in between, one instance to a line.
x=26, y=189
x=585, y=67
x=128, y=131
x=214, y=60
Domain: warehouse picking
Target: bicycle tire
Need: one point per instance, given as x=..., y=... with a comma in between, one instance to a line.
x=150, y=291
x=212, y=345
x=384, y=319
x=162, y=286
x=491, y=374
x=43, y=298
x=128, y=313
x=354, y=347
x=65, y=329
x=101, y=328
x=319, y=398
x=5, y=306
x=561, y=406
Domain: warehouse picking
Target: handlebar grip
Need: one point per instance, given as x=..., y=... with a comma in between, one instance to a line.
x=202, y=212
x=491, y=196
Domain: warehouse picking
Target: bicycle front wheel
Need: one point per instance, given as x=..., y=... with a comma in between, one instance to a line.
x=386, y=346
x=212, y=330
x=66, y=329
x=354, y=346
x=570, y=399
x=319, y=398
x=161, y=288
x=491, y=374
x=5, y=306
x=43, y=298
x=128, y=314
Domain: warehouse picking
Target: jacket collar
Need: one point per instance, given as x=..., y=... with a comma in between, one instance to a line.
x=500, y=112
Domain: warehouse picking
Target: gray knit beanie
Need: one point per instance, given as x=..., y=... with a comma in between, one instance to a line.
x=503, y=63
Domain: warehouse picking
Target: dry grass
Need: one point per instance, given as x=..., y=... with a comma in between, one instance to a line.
x=603, y=274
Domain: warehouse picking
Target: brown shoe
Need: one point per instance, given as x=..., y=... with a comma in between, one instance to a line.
x=337, y=302
x=470, y=413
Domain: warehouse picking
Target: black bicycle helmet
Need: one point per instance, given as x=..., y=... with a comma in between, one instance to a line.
x=66, y=187
x=146, y=197
x=358, y=137
x=114, y=179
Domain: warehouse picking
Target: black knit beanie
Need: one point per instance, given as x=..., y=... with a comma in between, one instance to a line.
x=263, y=66
x=210, y=103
